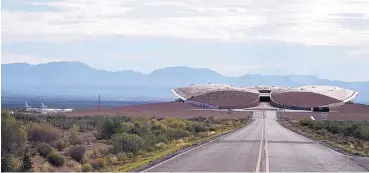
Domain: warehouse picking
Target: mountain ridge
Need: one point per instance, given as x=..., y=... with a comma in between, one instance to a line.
x=71, y=78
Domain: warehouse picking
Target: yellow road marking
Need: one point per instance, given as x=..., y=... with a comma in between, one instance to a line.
x=260, y=149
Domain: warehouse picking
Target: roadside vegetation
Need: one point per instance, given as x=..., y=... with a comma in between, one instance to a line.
x=351, y=137
x=58, y=143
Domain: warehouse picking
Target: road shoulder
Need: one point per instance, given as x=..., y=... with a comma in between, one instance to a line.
x=361, y=161
x=186, y=149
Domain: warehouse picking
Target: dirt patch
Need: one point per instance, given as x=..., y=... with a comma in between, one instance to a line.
x=353, y=108
x=165, y=109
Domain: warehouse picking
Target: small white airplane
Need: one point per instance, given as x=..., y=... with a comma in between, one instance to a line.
x=44, y=110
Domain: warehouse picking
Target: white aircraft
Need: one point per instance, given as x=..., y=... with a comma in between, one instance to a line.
x=44, y=110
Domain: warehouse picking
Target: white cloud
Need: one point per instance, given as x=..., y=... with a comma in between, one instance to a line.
x=309, y=22
x=136, y=55
x=239, y=70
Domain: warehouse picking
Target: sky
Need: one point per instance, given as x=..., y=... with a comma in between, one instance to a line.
x=327, y=38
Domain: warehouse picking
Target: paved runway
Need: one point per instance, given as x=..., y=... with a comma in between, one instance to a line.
x=262, y=146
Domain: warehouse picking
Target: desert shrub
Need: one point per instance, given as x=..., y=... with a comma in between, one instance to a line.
x=141, y=128
x=212, y=128
x=317, y=125
x=199, y=128
x=76, y=140
x=161, y=138
x=127, y=142
x=174, y=123
x=350, y=129
x=42, y=133
x=158, y=128
x=334, y=127
x=45, y=149
x=130, y=155
x=46, y=167
x=7, y=164
x=122, y=157
x=98, y=163
x=161, y=145
x=26, y=164
x=87, y=168
x=305, y=122
x=55, y=159
x=13, y=135
x=60, y=145
x=108, y=127
x=77, y=153
x=178, y=133
x=111, y=159
x=75, y=128
x=127, y=127
x=364, y=132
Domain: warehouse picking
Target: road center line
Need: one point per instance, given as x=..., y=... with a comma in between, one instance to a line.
x=261, y=147
x=266, y=150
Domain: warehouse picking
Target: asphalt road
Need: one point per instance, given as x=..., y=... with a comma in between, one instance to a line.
x=262, y=146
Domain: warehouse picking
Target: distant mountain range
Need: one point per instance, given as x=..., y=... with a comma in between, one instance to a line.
x=75, y=79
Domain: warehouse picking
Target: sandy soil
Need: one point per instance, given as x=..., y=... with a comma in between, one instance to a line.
x=356, y=108
x=165, y=109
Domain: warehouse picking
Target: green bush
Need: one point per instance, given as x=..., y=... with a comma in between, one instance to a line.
x=45, y=149
x=42, y=133
x=334, y=127
x=87, y=168
x=127, y=142
x=108, y=127
x=127, y=127
x=199, y=128
x=158, y=128
x=26, y=164
x=358, y=129
x=122, y=157
x=161, y=145
x=55, y=159
x=13, y=135
x=317, y=125
x=77, y=153
x=174, y=123
x=7, y=164
x=60, y=145
x=213, y=128
x=305, y=122
x=178, y=133
x=74, y=139
x=364, y=132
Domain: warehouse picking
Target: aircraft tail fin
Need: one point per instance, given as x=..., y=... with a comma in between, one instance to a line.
x=26, y=105
x=43, y=105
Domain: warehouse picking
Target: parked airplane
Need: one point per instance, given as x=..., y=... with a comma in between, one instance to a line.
x=44, y=110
